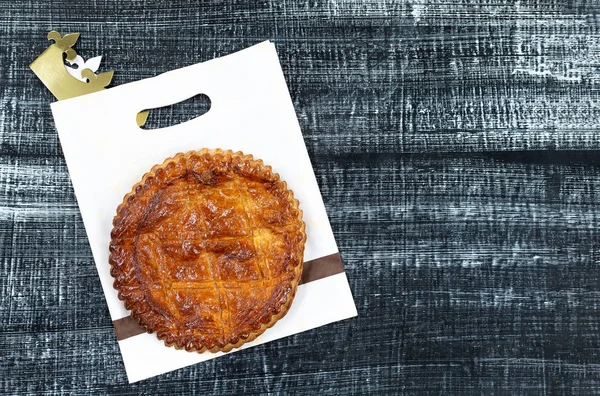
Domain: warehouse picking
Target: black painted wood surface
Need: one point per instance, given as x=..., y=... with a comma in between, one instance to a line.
x=456, y=144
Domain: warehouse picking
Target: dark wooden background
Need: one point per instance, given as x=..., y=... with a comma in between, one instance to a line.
x=457, y=147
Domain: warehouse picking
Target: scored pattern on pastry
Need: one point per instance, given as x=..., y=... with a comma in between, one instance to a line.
x=207, y=250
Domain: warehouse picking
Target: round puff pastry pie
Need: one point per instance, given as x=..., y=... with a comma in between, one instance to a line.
x=207, y=250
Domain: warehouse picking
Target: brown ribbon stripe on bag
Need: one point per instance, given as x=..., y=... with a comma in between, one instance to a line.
x=312, y=270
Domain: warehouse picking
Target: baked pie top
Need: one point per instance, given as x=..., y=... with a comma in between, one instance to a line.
x=207, y=250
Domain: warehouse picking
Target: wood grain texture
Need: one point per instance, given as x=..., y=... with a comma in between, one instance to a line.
x=457, y=146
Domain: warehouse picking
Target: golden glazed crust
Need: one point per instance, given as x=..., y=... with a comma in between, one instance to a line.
x=207, y=250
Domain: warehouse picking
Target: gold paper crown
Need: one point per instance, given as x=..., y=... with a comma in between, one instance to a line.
x=50, y=68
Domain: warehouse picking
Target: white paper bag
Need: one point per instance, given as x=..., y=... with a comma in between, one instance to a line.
x=251, y=111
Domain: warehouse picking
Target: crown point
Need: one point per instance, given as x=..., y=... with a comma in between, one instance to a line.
x=71, y=54
x=105, y=78
x=69, y=40
x=54, y=35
